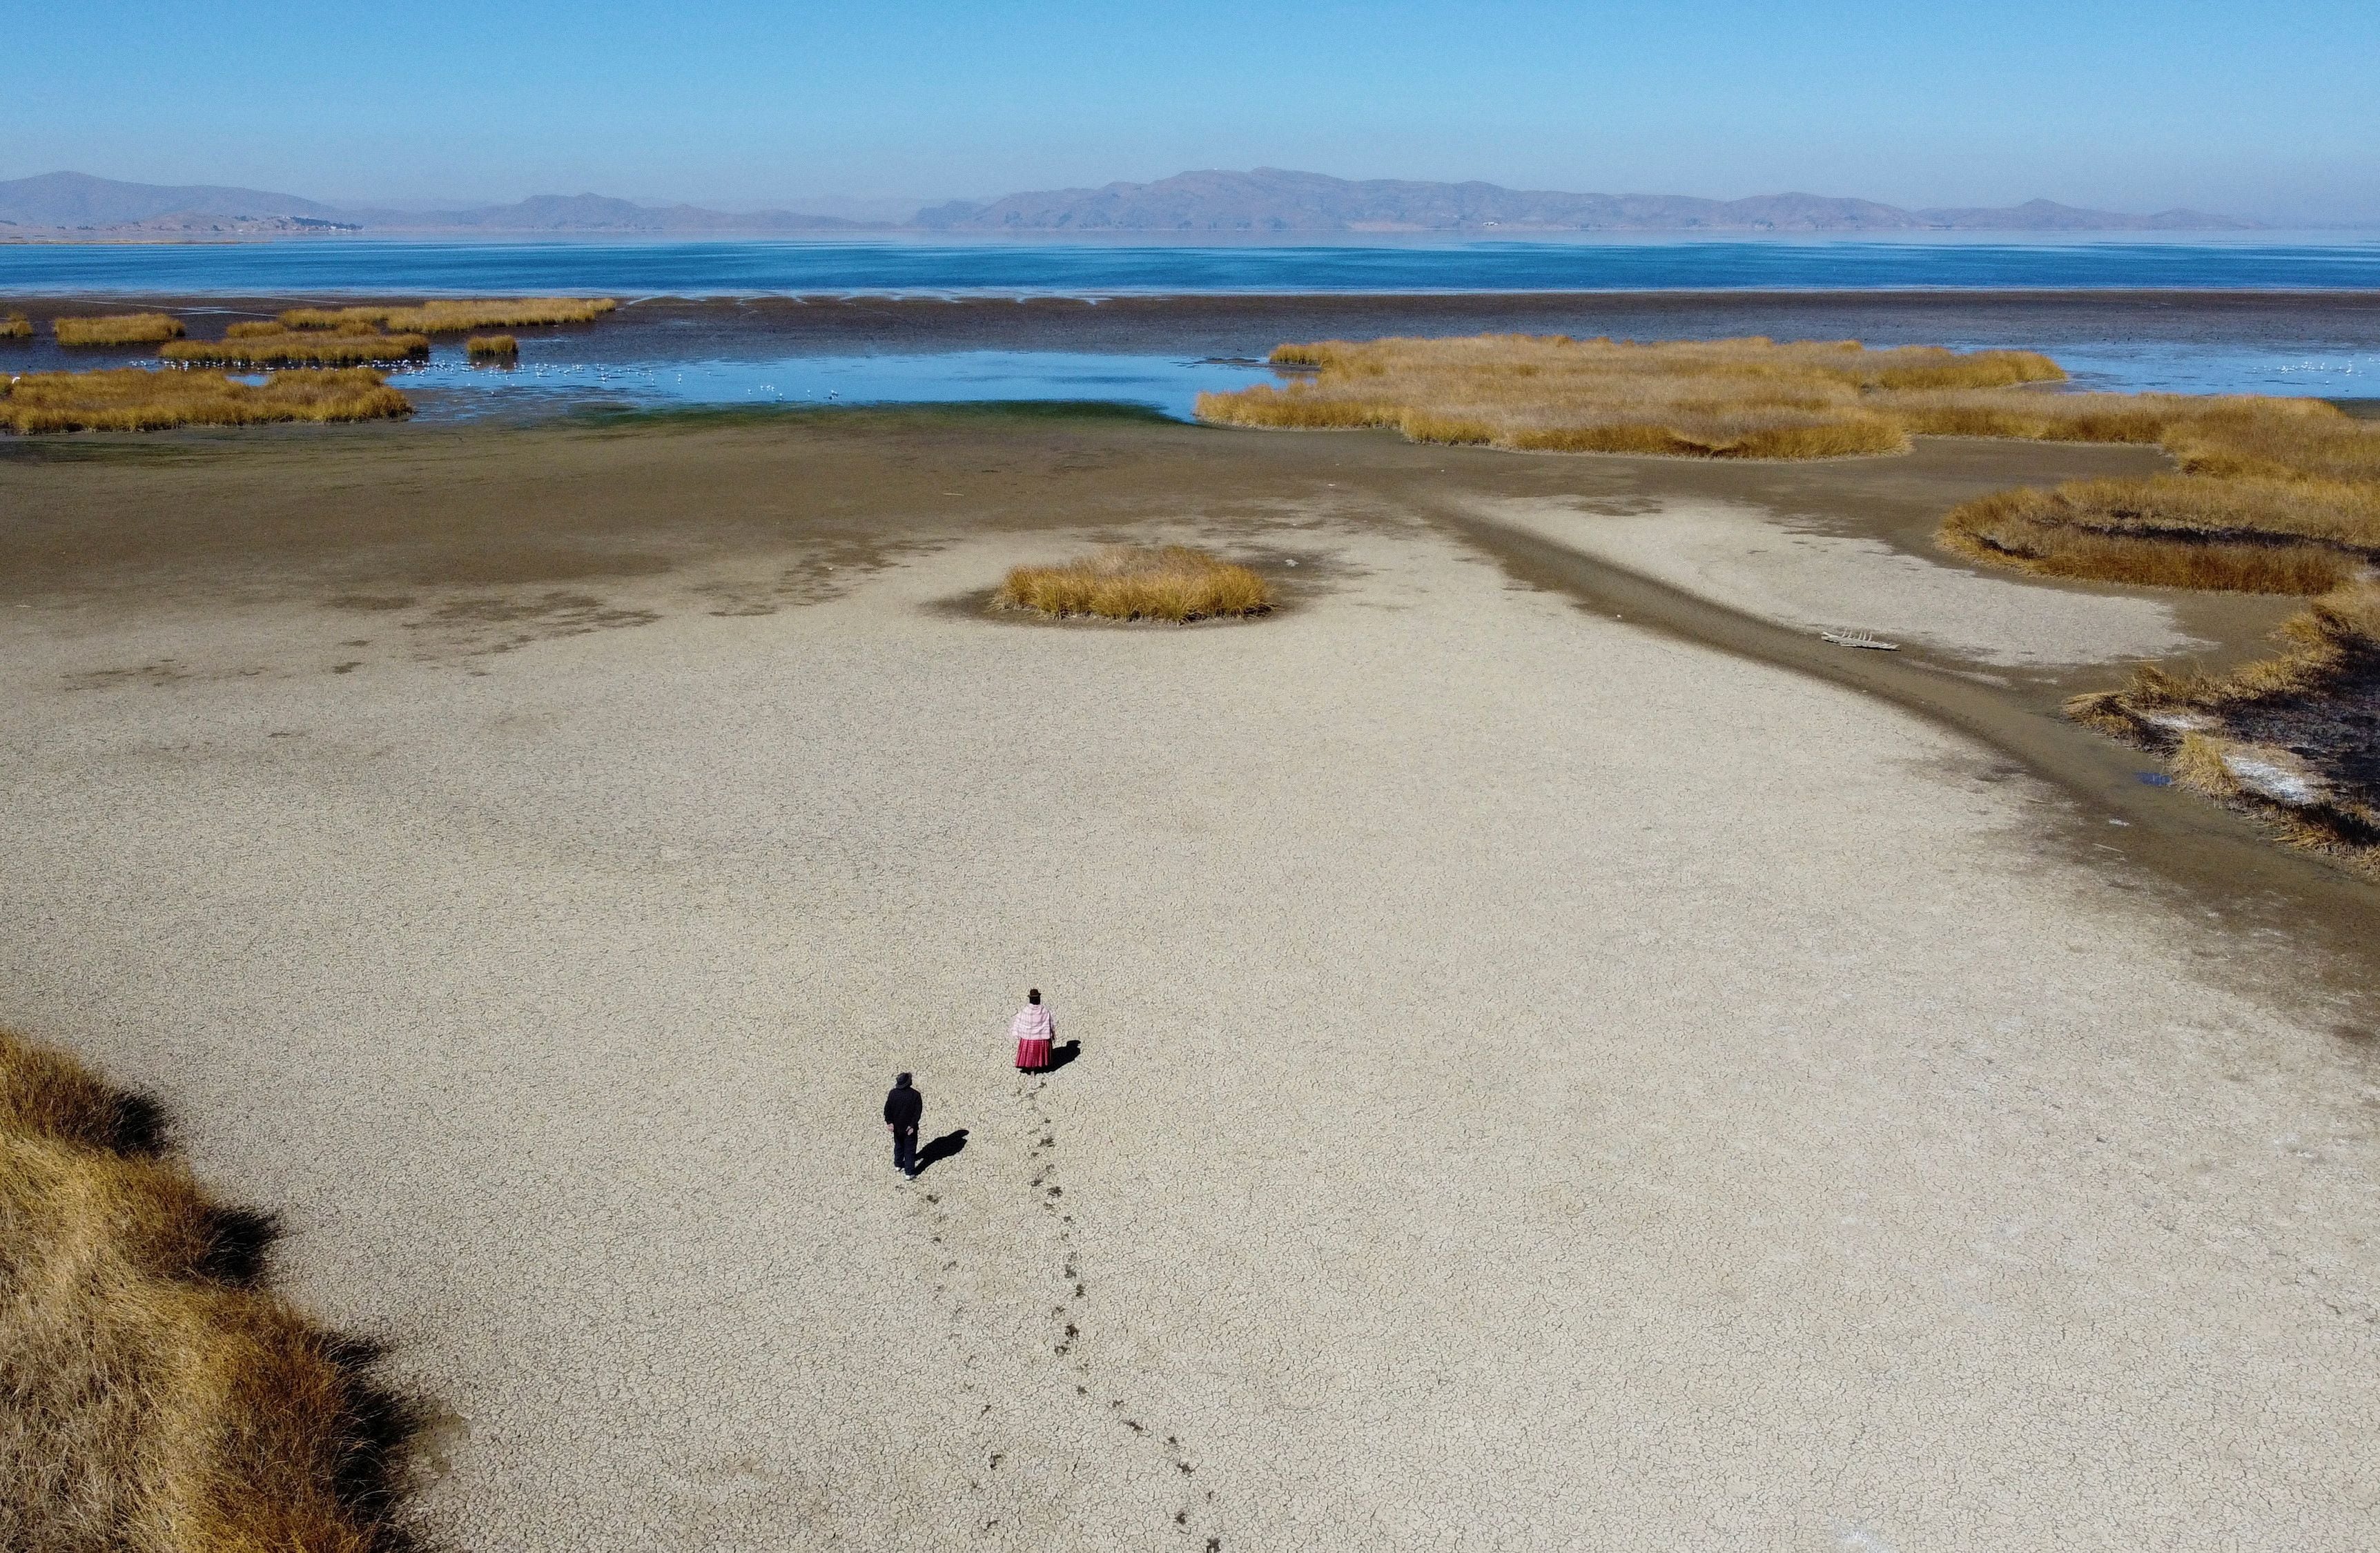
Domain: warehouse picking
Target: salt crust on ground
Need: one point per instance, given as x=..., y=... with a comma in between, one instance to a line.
x=1750, y=559
x=1544, y=1085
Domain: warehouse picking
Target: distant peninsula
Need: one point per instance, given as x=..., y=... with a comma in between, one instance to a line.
x=1265, y=203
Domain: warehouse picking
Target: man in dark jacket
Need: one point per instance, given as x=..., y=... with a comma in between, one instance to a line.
x=903, y=1109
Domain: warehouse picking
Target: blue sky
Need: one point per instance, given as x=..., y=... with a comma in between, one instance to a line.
x=2268, y=110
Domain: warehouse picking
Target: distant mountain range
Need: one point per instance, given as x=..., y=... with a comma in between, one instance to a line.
x=1267, y=203
x=76, y=204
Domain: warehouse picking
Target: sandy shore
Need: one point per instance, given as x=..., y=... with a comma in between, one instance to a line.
x=1542, y=1083
x=1748, y=559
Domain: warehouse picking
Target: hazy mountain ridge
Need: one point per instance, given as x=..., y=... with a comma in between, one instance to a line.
x=596, y=212
x=1269, y=202
x=78, y=203
x=1263, y=202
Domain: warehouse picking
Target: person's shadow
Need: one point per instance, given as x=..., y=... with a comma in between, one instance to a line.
x=944, y=1147
x=1062, y=1055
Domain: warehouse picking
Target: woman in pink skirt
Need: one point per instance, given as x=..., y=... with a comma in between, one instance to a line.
x=1034, y=1030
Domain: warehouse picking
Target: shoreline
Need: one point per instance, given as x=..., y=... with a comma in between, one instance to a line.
x=2362, y=297
x=2199, y=854
x=2270, y=341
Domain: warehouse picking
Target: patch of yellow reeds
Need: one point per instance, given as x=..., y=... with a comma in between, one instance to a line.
x=117, y=328
x=2218, y=730
x=1748, y=399
x=352, y=321
x=456, y=317
x=1133, y=582
x=137, y=399
x=2240, y=536
x=158, y=1398
x=289, y=347
x=2275, y=495
x=15, y=326
x=500, y=346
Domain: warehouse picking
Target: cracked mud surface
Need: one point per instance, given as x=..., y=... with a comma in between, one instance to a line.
x=1544, y=1082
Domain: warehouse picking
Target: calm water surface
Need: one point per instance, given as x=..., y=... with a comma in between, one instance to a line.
x=2257, y=260
x=449, y=387
x=732, y=359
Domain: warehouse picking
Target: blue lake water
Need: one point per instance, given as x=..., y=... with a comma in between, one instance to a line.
x=2257, y=260
x=2316, y=331
x=457, y=388
x=451, y=387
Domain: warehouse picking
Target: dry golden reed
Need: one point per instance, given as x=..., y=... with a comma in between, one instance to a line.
x=117, y=328
x=456, y=317
x=2319, y=644
x=2274, y=495
x=137, y=399
x=157, y=1400
x=1132, y=582
x=2177, y=532
x=1748, y=399
x=292, y=347
x=2330, y=659
x=15, y=326
x=498, y=346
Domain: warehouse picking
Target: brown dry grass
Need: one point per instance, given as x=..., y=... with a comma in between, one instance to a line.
x=158, y=1400
x=2275, y=495
x=2176, y=532
x=117, y=328
x=137, y=399
x=290, y=347
x=456, y=317
x=491, y=345
x=1131, y=582
x=2330, y=654
x=2317, y=644
x=1749, y=399
x=349, y=321
x=15, y=326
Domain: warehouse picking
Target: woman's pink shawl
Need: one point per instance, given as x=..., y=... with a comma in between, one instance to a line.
x=1033, y=1023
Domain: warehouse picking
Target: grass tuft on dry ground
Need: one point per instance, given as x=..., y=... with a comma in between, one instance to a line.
x=117, y=328
x=493, y=346
x=158, y=1399
x=2295, y=737
x=247, y=346
x=139, y=399
x=1133, y=582
x=456, y=317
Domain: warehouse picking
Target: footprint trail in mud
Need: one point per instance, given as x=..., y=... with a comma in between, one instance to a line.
x=1194, y=1517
